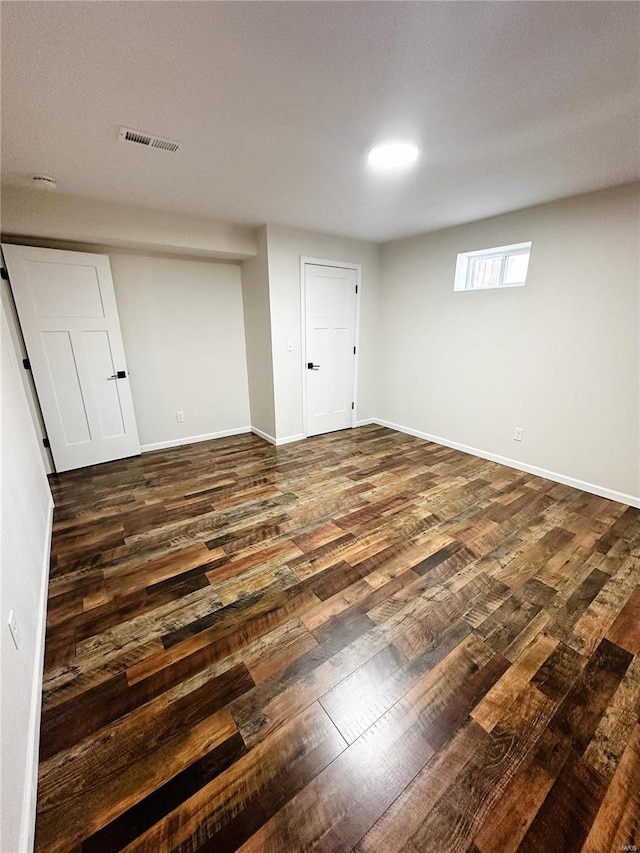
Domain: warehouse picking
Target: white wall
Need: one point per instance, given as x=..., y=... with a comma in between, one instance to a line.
x=26, y=511
x=285, y=247
x=559, y=357
x=55, y=216
x=257, y=324
x=183, y=332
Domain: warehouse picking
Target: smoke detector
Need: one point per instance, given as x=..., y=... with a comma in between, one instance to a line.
x=44, y=182
x=139, y=137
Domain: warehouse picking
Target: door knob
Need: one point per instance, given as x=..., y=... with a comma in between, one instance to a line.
x=312, y=366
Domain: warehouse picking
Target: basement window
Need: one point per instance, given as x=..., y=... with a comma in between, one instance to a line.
x=504, y=266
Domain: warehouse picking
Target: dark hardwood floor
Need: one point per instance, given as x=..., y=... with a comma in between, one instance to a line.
x=362, y=641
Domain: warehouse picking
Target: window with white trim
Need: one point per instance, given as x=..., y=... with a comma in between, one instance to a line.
x=504, y=266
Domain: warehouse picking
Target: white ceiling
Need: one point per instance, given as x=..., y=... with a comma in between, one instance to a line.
x=512, y=103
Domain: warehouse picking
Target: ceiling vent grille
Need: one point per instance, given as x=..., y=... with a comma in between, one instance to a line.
x=127, y=134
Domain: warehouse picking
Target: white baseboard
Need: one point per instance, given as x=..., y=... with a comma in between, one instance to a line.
x=28, y=827
x=288, y=439
x=278, y=442
x=593, y=489
x=193, y=439
x=271, y=439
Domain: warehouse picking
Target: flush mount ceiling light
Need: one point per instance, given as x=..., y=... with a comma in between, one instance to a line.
x=393, y=155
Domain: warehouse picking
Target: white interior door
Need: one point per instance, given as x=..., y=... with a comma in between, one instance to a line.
x=67, y=310
x=330, y=325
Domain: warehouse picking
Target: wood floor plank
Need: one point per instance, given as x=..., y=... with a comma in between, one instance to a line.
x=625, y=631
x=491, y=708
x=508, y=821
x=74, y=812
x=618, y=721
x=362, y=698
x=464, y=805
x=166, y=798
x=617, y=823
x=367, y=777
x=70, y=722
x=569, y=809
x=584, y=705
x=393, y=830
x=229, y=809
x=360, y=641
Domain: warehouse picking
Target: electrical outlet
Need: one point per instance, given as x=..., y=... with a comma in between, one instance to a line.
x=518, y=434
x=180, y=417
x=13, y=628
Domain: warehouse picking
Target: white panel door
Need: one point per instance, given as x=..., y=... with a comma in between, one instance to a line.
x=69, y=319
x=330, y=320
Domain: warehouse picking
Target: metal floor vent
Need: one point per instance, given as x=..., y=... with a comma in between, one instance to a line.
x=127, y=134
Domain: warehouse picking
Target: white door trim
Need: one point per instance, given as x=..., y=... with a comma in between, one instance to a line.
x=346, y=265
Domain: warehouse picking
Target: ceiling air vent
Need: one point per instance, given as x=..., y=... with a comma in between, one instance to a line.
x=127, y=134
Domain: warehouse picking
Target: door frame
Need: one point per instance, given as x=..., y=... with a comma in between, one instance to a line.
x=347, y=265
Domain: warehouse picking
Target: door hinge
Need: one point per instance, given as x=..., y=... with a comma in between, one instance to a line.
x=354, y=350
x=356, y=288
x=26, y=364
x=4, y=274
x=45, y=442
x=353, y=405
